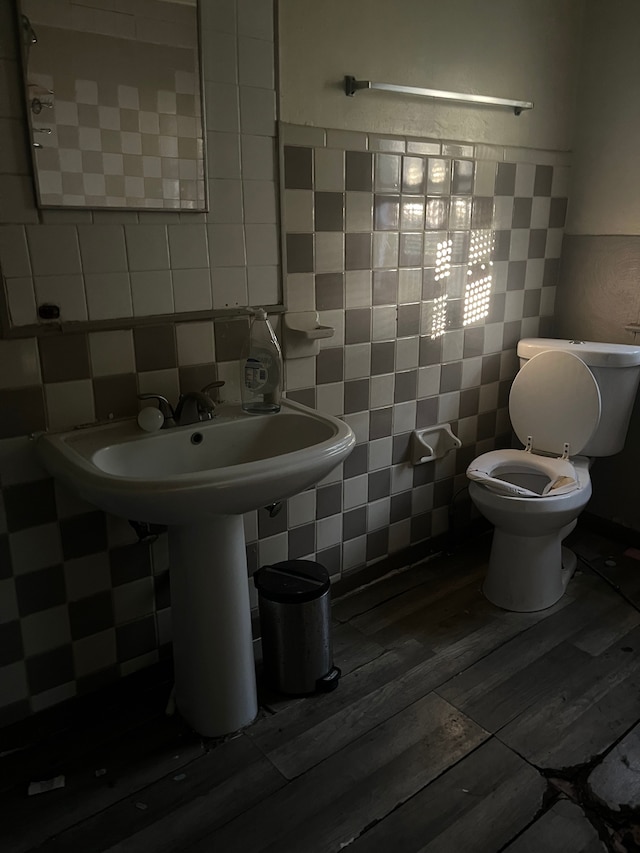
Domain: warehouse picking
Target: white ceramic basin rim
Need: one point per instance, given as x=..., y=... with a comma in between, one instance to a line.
x=230, y=465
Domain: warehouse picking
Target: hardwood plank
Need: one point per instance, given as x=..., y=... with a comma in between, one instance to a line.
x=596, y=705
x=324, y=809
x=138, y=759
x=217, y=788
x=562, y=829
x=478, y=805
x=304, y=734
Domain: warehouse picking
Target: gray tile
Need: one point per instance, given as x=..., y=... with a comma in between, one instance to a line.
x=473, y=342
x=469, y=400
x=270, y=525
x=359, y=171
x=356, y=395
x=330, y=365
x=298, y=168
x=193, y=377
x=516, y=273
x=136, y=638
x=400, y=447
x=357, y=249
x=383, y=356
x=430, y=351
x=380, y=423
x=11, y=649
x=50, y=669
x=385, y=287
x=505, y=179
x=379, y=484
x=551, y=272
x=405, y=386
x=357, y=325
x=502, y=245
x=400, y=507
x=328, y=500
x=450, y=377
x=354, y=523
x=129, y=563
x=83, y=534
x=64, y=357
x=482, y=212
x=486, y=425
x=427, y=412
x=462, y=178
x=410, y=252
x=29, y=504
x=306, y=396
x=408, y=320
x=377, y=544
x=329, y=291
x=115, y=396
x=531, y=307
x=91, y=615
x=6, y=567
x=490, y=368
x=357, y=461
x=497, y=308
x=387, y=173
x=543, y=180
x=23, y=411
x=521, y=217
x=155, y=347
x=299, y=253
x=301, y=541
x=40, y=590
x=558, y=212
x=231, y=338
x=329, y=211
x=537, y=243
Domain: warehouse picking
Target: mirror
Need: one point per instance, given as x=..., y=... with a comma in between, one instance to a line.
x=114, y=99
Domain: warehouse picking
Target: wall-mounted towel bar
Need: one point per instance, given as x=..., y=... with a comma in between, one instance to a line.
x=351, y=86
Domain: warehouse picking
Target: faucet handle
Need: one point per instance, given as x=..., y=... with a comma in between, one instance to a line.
x=218, y=384
x=166, y=409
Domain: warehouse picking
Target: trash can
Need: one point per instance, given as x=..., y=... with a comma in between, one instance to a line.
x=294, y=600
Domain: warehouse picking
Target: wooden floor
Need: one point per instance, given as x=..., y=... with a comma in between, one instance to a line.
x=456, y=727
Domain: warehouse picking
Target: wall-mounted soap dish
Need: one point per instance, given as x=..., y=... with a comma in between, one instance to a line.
x=432, y=443
x=303, y=333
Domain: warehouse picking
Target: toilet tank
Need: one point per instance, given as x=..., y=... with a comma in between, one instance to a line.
x=616, y=369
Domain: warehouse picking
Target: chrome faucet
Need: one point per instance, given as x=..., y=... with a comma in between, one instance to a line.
x=193, y=406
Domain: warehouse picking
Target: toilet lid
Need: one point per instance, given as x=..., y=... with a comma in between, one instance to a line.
x=555, y=399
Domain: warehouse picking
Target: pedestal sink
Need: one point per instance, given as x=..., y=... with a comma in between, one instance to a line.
x=198, y=480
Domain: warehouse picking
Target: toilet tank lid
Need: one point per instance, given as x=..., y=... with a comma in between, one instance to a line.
x=592, y=353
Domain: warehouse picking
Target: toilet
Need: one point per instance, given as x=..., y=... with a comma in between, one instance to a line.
x=569, y=403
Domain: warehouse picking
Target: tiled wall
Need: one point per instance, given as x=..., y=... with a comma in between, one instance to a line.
x=81, y=601
x=108, y=265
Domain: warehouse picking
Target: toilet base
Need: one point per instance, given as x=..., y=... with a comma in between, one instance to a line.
x=527, y=574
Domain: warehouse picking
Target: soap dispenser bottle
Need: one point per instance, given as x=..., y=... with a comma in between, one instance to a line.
x=261, y=379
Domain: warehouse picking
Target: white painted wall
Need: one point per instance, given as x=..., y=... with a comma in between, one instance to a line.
x=605, y=193
x=508, y=48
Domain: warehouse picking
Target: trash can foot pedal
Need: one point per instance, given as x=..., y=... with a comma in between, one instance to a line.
x=329, y=681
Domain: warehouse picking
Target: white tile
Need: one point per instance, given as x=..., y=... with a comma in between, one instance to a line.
x=380, y=452
x=111, y=352
x=422, y=499
x=229, y=371
x=359, y=423
x=257, y=111
x=401, y=478
x=381, y=390
x=195, y=343
x=260, y=201
x=90, y=139
x=452, y=345
x=354, y=553
x=329, y=251
x=384, y=323
x=21, y=301
x=330, y=398
x=86, y=92
x=35, y=548
x=525, y=179
x=14, y=253
x=273, y=549
x=378, y=513
x=329, y=170
x=264, y=285
x=385, y=249
x=355, y=491
x=400, y=535
x=19, y=363
x=300, y=373
x=513, y=306
x=188, y=246
x=255, y=63
x=69, y=404
x=108, y=295
x=502, y=212
x=302, y=508
x=257, y=157
x=298, y=211
x=226, y=201
x=128, y=97
x=220, y=58
x=16, y=199
x=519, y=248
x=407, y=352
x=471, y=372
x=358, y=209
x=151, y=293
x=404, y=417
x=229, y=287
x=540, y=207
x=357, y=361
x=226, y=245
x=357, y=288
x=262, y=243
x=255, y=19
x=448, y=407
x=133, y=600
x=300, y=293
x=102, y=248
x=223, y=109
x=224, y=155
x=147, y=247
x=328, y=531
x=192, y=289
x=428, y=380
x=485, y=178
x=54, y=249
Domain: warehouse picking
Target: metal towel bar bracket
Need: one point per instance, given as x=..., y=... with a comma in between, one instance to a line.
x=351, y=86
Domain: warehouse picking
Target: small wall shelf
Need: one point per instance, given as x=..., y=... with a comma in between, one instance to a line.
x=303, y=333
x=432, y=443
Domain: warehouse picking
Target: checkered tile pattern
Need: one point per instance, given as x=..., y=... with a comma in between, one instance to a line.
x=122, y=155
x=428, y=260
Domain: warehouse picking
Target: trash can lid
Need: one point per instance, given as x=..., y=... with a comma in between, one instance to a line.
x=292, y=581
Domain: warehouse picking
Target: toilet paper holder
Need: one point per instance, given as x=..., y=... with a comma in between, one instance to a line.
x=432, y=443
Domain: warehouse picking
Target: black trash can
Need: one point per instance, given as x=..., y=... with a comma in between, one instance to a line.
x=294, y=600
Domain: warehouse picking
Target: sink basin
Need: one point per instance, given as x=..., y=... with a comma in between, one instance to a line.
x=198, y=480
x=229, y=465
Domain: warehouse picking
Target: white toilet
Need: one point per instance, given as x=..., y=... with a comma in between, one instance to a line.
x=570, y=401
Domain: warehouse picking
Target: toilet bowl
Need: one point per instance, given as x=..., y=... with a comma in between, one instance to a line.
x=534, y=496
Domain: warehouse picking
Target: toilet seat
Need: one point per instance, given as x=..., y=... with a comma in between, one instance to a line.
x=561, y=474
x=555, y=408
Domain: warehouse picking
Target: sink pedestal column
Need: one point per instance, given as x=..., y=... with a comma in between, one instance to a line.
x=215, y=684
